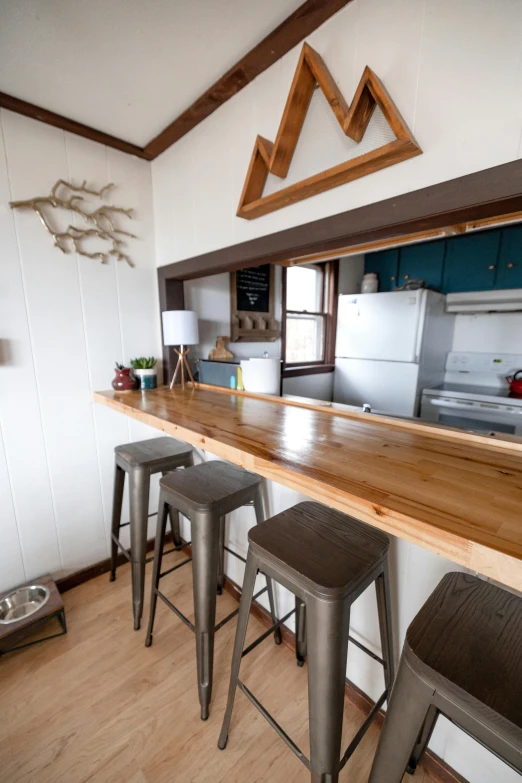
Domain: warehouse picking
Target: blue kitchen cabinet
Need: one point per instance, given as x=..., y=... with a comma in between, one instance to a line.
x=509, y=268
x=471, y=262
x=385, y=265
x=422, y=262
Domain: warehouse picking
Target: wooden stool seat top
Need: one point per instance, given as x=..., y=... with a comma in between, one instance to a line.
x=331, y=551
x=469, y=634
x=211, y=486
x=155, y=454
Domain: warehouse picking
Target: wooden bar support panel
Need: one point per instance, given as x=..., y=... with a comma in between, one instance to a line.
x=457, y=496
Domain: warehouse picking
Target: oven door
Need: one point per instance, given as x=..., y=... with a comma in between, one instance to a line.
x=471, y=415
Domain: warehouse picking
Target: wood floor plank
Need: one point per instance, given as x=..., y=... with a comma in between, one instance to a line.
x=96, y=706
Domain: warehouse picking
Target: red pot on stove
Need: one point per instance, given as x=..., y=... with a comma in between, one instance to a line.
x=515, y=386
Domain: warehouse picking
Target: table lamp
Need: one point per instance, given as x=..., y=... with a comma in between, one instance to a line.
x=180, y=327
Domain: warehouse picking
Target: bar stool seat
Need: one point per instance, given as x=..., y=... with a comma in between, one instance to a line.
x=154, y=455
x=463, y=658
x=205, y=493
x=140, y=460
x=327, y=552
x=213, y=487
x=327, y=559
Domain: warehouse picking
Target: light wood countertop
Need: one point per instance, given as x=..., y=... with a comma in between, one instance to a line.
x=457, y=494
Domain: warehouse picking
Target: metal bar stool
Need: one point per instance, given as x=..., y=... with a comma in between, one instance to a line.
x=327, y=559
x=205, y=494
x=463, y=658
x=140, y=460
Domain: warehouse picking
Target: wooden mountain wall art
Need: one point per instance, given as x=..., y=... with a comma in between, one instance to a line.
x=275, y=158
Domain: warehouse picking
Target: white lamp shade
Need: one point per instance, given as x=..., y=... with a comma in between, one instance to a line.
x=180, y=327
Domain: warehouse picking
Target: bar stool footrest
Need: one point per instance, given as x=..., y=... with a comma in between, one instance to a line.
x=275, y=725
x=267, y=633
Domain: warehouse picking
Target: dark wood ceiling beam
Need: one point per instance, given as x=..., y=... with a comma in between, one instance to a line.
x=295, y=28
x=50, y=118
x=485, y=194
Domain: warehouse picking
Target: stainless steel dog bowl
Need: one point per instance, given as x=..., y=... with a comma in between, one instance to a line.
x=22, y=603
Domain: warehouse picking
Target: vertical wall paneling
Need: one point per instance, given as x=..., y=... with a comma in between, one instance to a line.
x=64, y=321
x=25, y=451
x=56, y=319
x=137, y=286
x=12, y=570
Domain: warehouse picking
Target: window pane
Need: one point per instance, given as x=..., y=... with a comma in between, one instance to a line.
x=304, y=338
x=303, y=288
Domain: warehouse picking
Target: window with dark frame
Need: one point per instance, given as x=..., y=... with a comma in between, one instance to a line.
x=309, y=317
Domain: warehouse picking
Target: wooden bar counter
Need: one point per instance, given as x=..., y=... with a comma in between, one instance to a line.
x=454, y=493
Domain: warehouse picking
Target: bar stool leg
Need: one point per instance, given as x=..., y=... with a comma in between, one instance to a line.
x=221, y=558
x=161, y=527
x=260, y=516
x=239, y=642
x=139, y=508
x=382, y=588
x=407, y=710
x=119, y=483
x=205, y=543
x=328, y=624
x=174, y=521
x=424, y=738
x=300, y=631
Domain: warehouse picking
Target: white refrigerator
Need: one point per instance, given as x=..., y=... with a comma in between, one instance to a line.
x=389, y=347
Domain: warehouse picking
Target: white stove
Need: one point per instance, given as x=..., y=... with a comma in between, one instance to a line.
x=475, y=395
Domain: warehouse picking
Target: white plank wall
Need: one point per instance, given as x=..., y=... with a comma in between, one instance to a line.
x=64, y=321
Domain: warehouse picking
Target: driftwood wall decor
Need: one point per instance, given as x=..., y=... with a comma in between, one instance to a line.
x=99, y=222
x=275, y=158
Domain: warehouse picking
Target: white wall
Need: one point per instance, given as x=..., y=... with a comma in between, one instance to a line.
x=488, y=333
x=442, y=61
x=64, y=321
x=210, y=298
x=351, y=272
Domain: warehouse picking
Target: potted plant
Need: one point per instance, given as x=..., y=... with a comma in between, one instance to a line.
x=145, y=372
x=123, y=380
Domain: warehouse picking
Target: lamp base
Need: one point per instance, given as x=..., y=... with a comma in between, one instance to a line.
x=181, y=366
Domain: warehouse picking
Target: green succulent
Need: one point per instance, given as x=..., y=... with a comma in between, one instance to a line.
x=142, y=363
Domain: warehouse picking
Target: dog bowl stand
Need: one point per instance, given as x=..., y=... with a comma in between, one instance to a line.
x=11, y=634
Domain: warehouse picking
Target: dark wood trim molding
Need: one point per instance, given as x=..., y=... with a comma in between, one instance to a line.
x=307, y=18
x=295, y=28
x=431, y=763
x=484, y=194
x=50, y=118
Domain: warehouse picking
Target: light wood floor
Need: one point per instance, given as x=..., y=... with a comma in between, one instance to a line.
x=97, y=706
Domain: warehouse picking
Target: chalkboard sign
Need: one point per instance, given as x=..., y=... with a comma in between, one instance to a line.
x=253, y=289
x=252, y=305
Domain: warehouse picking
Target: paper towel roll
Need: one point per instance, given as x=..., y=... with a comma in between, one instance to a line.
x=262, y=376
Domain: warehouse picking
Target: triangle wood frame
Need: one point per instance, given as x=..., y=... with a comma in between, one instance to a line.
x=275, y=158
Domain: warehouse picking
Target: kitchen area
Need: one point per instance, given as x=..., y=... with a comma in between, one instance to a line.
x=436, y=335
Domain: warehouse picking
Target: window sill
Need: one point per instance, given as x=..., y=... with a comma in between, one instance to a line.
x=310, y=369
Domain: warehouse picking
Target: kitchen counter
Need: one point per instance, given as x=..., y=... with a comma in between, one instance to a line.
x=454, y=493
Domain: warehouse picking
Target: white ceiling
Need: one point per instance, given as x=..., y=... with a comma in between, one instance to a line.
x=126, y=67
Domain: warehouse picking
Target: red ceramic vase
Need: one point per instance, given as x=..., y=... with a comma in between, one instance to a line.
x=123, y=380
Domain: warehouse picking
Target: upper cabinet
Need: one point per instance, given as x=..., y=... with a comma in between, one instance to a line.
x=422, y=262
x=509, y=267
x=385, y=265
x=471, y=262
x=481, y=261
